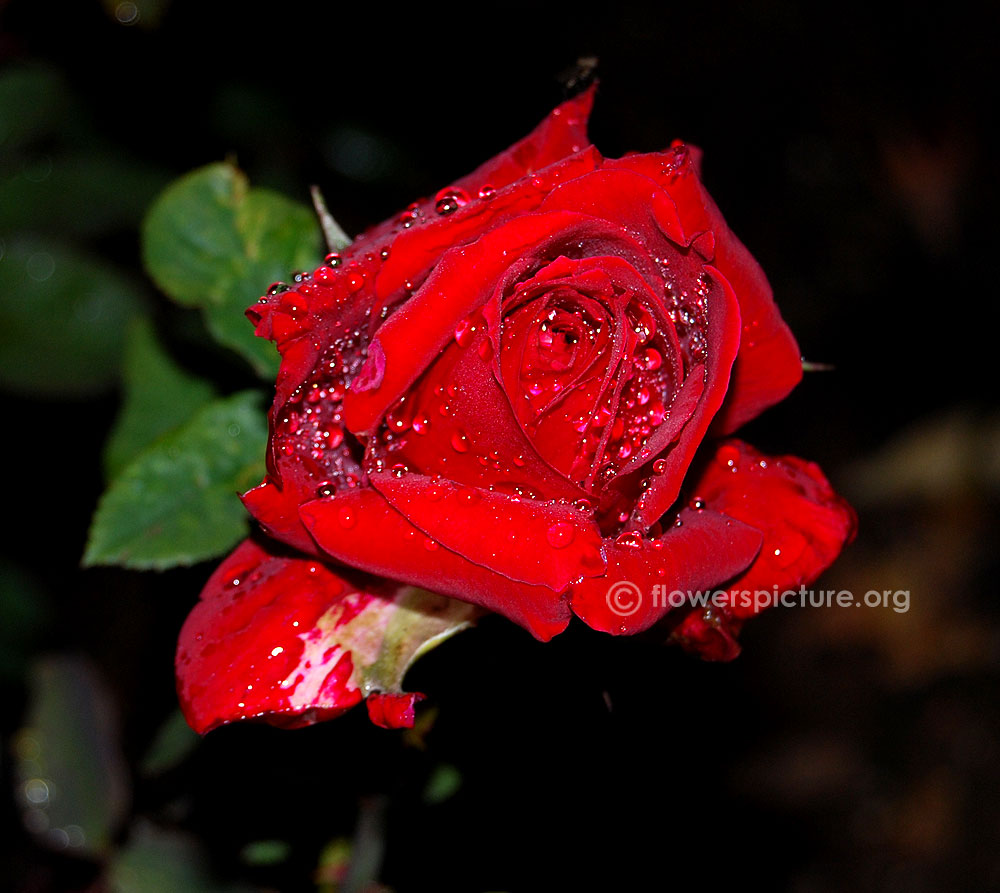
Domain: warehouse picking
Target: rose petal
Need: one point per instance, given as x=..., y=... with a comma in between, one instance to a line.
x=277, y=512
x=723, y=343
x=461, y=425
x=803, y=521
x=706, y=549
x=393, y=711
x=414, y=335
x=769, y=363
x=541, y=543
x=360, y=528
x=263, y=643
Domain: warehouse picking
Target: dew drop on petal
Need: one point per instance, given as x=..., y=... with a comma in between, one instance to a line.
x=464, y=332
x=560, y=534
x=729, y=456
x=630, y=539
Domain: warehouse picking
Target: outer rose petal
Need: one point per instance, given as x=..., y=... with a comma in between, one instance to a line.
x=803, y=521
x=769, y=364
x=562, y=133
x=706, y=549
x=392, y=711
x=542, y=543
x=287, y=640
x=360, y=528
x=247, y=649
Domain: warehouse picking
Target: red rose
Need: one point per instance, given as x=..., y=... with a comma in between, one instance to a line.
x=511, y=394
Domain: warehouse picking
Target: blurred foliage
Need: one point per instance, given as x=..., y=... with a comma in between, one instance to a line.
x=65, y=316
x=70, y=770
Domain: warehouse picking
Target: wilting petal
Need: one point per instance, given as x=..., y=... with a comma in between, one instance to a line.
x=287, y=640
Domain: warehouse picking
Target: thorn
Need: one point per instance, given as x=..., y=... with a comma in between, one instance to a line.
x=817, y=367
x=579, y=76
x=336, y=238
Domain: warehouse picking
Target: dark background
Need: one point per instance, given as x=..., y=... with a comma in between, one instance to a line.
x=852, y=149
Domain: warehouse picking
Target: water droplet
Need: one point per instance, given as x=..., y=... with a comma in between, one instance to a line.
x=430, y=545
x=332, y=259
x=729, y=456
x=464, y=332
x=607, y=473
x=398, y=470
x=276, y=288
x=485, y=349
x=486, y=191
x=660, y=466
x=346, y=517
x=698, y=503
x=449, y=200
x=560, y=534
x=325, y=489
x=630, y=539
x=459, y=442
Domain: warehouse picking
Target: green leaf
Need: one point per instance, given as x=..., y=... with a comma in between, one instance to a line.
x=177, y=503
x=62, y=319
x=159, y=396
x=210, y=241
x=71, y=775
